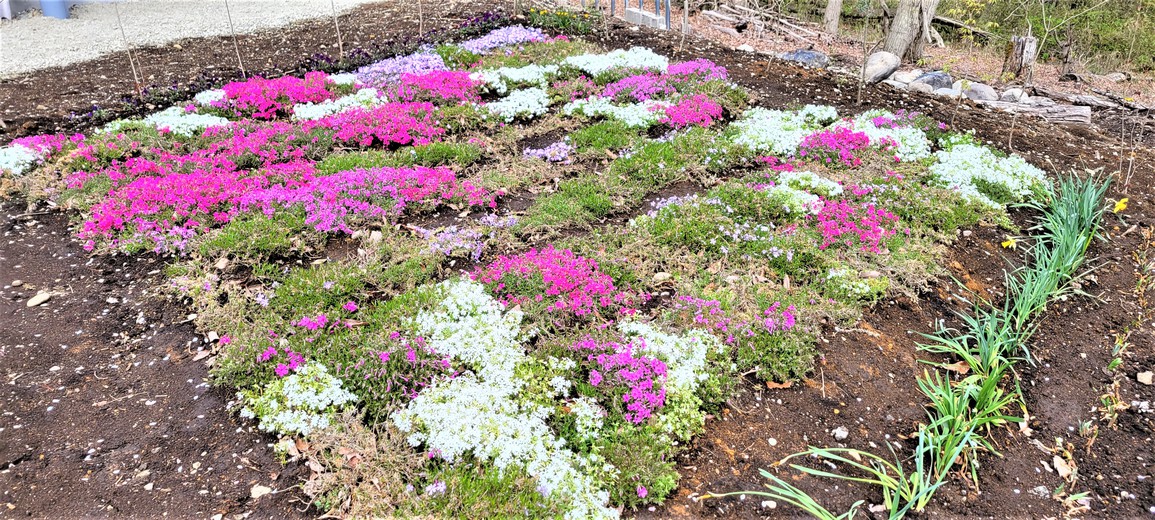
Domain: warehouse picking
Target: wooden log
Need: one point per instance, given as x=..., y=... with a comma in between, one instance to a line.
x=951, y=22
x=1131, y=104
x=1076, y=99
x=1054, y=113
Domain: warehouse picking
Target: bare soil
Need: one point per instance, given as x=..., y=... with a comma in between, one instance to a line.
x=98, y=405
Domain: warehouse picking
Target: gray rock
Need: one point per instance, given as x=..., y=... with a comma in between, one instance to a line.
x=880, y=66
x=981, y=92
x=920, y=87
x=1117, y=77
x=745, y=47
x=957, y=85
x=1013, y=95
x=840, y=433
x=896, y=84
x=937, y=79
x=39, y=299
x=906, y=76
x=948, y=92
x=808, y=57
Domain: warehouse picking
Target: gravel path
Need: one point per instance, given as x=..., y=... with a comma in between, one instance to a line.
x=33, y=41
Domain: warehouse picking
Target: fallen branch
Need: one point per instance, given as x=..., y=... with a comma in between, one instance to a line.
x=1074, y=114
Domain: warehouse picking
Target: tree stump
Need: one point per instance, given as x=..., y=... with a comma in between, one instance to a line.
x=1020, y=57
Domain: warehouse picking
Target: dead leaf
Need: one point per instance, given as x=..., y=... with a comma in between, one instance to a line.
x=778, y=386
x=201, y=355
x=962, y=367
x=259, y=491
x=1062, y=467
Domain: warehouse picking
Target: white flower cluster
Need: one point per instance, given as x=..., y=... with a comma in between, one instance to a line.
x=589, y=417
x=347, y=78
x=846, y=281
x=818, y=115
x=773, y=131
x=811, y=182
x=480, y=414
x=975, y=170
x=364, y=98
x=500, y=80
x=208, y=97
x=634, y=115
x=635, y=58
x=18, y=159
x=179, y=122
x=794, y=201
x=911, y=143
x=685, y=356
x=473, y=328
x=466, y=416
x=299, y=403
x=525, y=103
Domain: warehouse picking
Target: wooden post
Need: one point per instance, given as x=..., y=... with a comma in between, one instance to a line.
x=340, y=44
x=1020, y=57
x=236, y=46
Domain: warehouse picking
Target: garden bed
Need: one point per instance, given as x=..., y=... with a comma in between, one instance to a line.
x=658, y=271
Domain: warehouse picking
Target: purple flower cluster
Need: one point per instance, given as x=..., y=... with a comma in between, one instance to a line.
x=453, y=238
x=701, y=69
x=503, y=37
x=389, y=71
x=332, y=201
x=557, y=152
x=640, y=87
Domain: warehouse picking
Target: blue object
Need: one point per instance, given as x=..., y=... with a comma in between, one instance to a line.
x=55, y=8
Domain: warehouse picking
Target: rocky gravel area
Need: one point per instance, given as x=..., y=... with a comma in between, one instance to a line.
x=33, y=41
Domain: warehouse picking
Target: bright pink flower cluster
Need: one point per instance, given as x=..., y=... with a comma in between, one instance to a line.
x=48, y=143
x=385, y=125
x=834, y=147
x=262, y=98
x=450, y=85
x=406, y=367
x=710, y=314
x=332, y=201
x=568, y=283
x=292, y=360
x=700, y=69
x=618, y=364
x=866, y=224
x=313, y=323
x=698, y=110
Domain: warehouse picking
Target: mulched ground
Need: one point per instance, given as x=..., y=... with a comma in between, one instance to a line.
x=72, y=351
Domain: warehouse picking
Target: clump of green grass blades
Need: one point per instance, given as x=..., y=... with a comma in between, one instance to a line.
x=995, y=337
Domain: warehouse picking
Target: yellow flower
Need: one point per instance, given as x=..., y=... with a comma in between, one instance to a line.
x=1121, y=205
x=1010, y=243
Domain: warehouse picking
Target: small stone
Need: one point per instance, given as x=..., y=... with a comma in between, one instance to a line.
x=948, y=92
x=1144, y=377
x=1013, y=95
x=17, y=283
x=896, y=84
x=1116, y=77
x=112, y=300
x=840, y=433
x=212, y=336
x=807, y=57
x=937, y=79
x=906, y=76
x=872, y=274
x=661, y=277
x=148, y=487
x=39, y=299
x=259, y=491
x=376, y=237
x=920, y=87
x=745, y=47
x=772, y=441
x=769, y=504
x=981, y=92
x=879, y=66
x=967, y=233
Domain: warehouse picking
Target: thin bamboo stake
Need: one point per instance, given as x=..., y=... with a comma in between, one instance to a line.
x=337, y=26
x=420, y=17
x=131, y=62
x=236, y=46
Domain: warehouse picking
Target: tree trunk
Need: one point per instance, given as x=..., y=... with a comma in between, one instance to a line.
x=831, y=16
x=1020, y=59
x=910, y=30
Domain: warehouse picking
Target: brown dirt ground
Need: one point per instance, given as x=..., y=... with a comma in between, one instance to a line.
x=865, y=382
